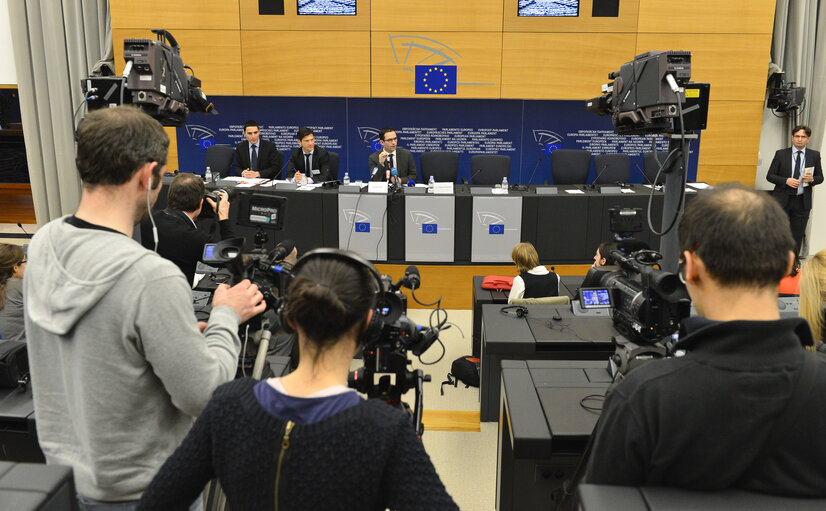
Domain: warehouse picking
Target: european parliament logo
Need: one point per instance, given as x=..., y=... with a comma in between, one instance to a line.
x=435, y=79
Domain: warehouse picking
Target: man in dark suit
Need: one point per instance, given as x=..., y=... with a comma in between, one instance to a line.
x=308, y=152
x=390, y=157
x=179, y=238
x=794, y=171
x=256, y=157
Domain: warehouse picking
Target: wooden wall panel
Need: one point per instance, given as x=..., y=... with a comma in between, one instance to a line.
x=476, y=55
x=214, y=55
x=174, y=14
x=707, y=16
x=733, y=133
x=290, y=20
x=561, y=66
x=625, y=22
x=734, y=64
x=172, y=159
x=716, y=174
x=279, y=63
x=437, y=15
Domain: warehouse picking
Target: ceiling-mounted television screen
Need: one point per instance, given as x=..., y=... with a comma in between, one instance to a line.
x=327, y=7
x=549, y=8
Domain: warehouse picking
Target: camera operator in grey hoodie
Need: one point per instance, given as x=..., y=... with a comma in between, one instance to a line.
x=119, y=364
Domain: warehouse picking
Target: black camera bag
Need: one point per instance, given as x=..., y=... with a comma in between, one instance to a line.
x=463, y=369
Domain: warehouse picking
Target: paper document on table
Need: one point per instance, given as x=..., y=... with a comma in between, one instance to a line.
x=574, y=191
x=245, y=182
x=700, y=185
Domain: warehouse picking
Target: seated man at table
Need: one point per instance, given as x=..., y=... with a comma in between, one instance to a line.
x=719, y=416
x=179, y=238
x=382, y=163
x=256, y=157
x=309, y=156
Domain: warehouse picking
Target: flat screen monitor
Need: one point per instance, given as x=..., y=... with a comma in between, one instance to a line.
x=595, y=298
x=549, y=8
x=327, y=7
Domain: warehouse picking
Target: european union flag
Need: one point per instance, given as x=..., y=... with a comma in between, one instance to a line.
x=496, y=229
x=430, y=228
x=205, y=143
x=435, y=79
x=362, y=227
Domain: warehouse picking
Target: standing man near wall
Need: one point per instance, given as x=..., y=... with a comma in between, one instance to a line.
x=119, y=366
x=391, y=156
x=256, y=157
x=794, y=171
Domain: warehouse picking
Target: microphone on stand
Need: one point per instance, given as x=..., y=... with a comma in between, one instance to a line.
x=648, y=181
x=523, y=187
x=593, y=185
x=470, y=181
x=24, y=230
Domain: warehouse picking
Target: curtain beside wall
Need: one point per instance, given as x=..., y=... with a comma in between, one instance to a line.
x=56, y=44
x=799, y=48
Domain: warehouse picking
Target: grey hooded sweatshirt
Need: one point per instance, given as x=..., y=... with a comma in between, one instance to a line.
x=119, y=367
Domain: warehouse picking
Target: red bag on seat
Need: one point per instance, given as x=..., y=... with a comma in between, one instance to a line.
x=497, y=282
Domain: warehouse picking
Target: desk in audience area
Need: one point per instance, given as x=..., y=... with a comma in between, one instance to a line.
x=565, y=228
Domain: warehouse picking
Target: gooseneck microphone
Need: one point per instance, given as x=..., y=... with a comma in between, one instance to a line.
x=530, y=179
x=593, y=185
x=523, y=187
x=470, y=181
x=24, y=230
x=648, y=181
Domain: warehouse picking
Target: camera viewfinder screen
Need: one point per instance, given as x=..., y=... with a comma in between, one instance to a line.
x=595, y=297
x=549, y=8
x=209, y=251
x=327, y=7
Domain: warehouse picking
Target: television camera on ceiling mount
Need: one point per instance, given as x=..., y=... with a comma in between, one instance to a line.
x=154, y=79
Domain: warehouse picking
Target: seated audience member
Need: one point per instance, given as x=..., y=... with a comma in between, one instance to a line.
x=308, y=152
x=790, y=284
x=12, y=267
x=603, y=262
x=306, y=441
x=705, y=420
x=813, y=296
x=179, y=238
x=533, y=281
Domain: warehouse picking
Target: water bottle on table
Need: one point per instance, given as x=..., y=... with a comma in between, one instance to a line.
x=431, y=185
x=208, y=175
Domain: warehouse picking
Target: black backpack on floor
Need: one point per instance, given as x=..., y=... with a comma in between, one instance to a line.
x=463, y=369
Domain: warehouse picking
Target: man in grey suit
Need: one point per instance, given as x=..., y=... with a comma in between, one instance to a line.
x=794, y=171
x=392, y=157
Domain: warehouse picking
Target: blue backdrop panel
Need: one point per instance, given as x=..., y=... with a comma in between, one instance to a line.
x=525, y=130
x=466, y=126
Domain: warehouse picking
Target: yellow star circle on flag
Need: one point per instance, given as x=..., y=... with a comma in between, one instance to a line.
x=435, y=88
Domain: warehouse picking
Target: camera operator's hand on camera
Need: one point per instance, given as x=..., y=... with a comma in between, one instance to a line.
x=223, y=206
x=244, y=297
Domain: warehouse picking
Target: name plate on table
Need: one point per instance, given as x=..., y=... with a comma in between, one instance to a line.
x=546, y=190
x=377, y=187
x=415, y=190
x=610, y=189
x=286, y=186
x=226, y=183
x=483, y=190
x=443, y=189
x=351, y=188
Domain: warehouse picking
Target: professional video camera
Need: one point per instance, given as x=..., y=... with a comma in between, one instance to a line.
x=784, y=97
x=648, y=93
x=154, y=79
x=384, y=374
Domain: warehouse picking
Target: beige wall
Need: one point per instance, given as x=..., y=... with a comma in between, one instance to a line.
x=235, y=51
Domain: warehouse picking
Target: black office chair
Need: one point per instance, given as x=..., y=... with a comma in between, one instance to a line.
x=335, y=158
x=650, y=166
x=612, y=168
x=442, y=165
x=570, y=166
x=493, y=168
x=219, y=159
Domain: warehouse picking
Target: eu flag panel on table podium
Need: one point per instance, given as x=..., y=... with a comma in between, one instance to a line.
x=362, y=220
x=497, y=227
x=429, y=228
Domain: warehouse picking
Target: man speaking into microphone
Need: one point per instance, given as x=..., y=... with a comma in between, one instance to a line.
x=392, y=157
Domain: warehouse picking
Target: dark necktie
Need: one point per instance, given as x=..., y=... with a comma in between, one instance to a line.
x=254, y=159
x=390, y=159
x=796, y=174
x=307, y=164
